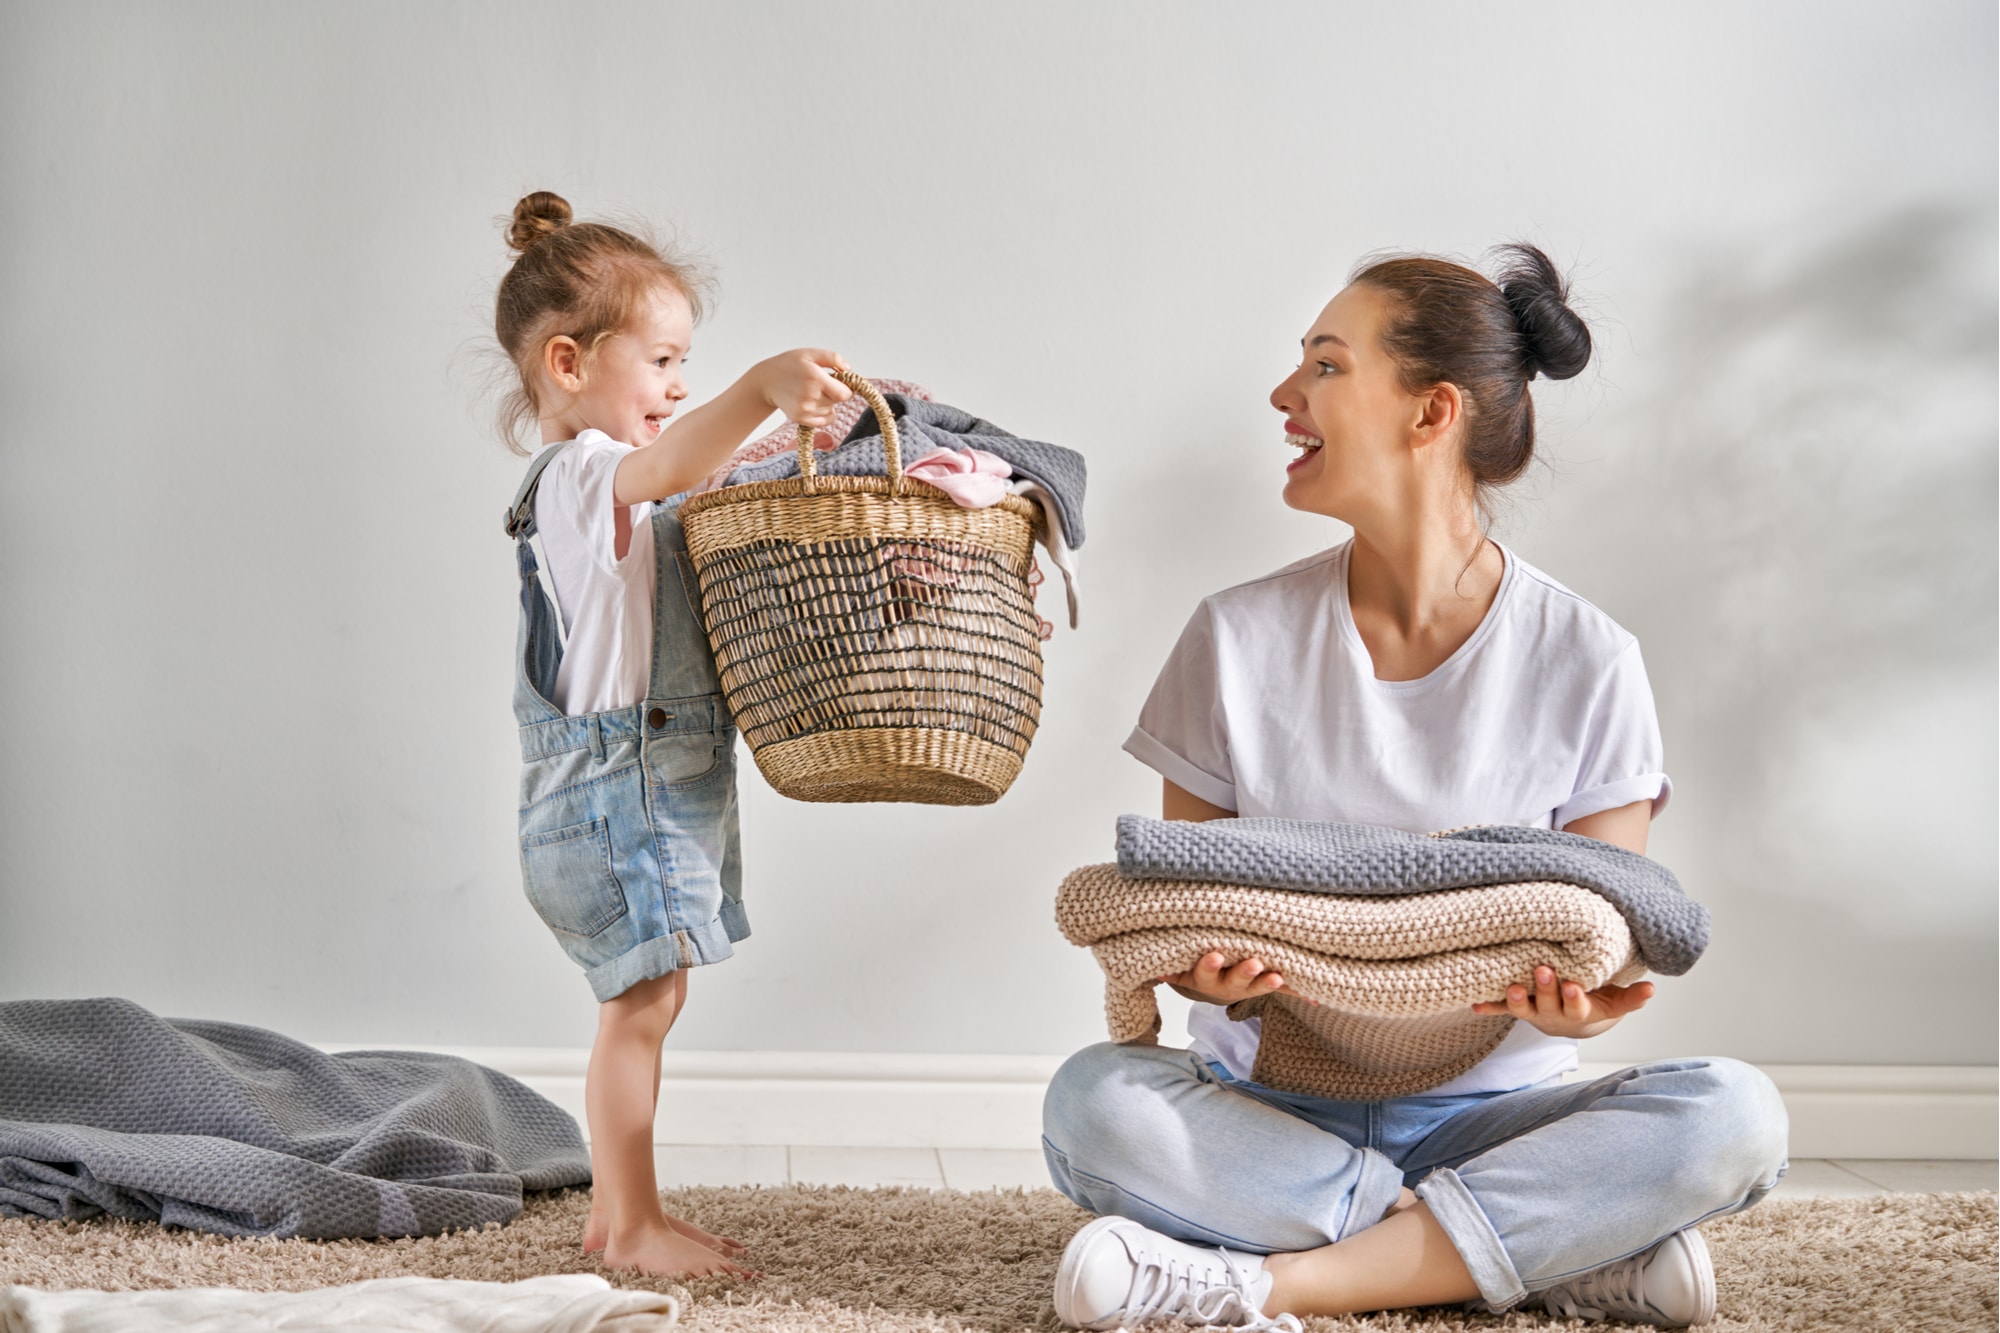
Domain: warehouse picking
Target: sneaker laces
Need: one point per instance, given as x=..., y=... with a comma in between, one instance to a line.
x=1170, y=1288
x=1599, y=1294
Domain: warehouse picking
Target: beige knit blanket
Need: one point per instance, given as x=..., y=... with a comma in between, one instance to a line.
x=1395, y=978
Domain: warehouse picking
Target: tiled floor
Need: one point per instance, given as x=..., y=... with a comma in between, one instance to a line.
x=1849, y=1176
x=1004, y=1168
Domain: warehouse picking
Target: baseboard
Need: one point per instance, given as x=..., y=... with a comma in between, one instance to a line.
x=817, y=1099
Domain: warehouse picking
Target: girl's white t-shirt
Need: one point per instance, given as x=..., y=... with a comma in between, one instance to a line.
x=1269, y=706
x=605, y=599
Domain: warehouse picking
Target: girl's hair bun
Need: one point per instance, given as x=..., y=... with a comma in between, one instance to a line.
x=1554, y=337
x=536, y=216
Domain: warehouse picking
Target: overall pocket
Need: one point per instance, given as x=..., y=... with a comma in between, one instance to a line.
x=567, y=874
x=679, y=760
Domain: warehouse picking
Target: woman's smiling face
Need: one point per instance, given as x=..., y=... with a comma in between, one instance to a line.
x=1346, y=410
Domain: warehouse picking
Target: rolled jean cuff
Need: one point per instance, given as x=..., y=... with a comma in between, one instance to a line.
x=1465, y=1222
x=1376, y=1189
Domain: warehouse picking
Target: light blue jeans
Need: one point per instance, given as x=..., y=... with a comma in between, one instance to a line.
x=1533, y=1187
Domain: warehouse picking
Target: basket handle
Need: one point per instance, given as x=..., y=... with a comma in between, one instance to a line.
x=884, y=418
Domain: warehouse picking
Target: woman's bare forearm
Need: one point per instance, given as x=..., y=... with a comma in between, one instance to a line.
x=1180, y=803
x=1625, y=827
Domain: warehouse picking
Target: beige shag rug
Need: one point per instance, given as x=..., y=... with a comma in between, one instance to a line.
x=838, y=1260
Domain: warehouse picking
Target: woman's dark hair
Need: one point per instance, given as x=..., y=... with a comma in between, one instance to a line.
x=1450, y=324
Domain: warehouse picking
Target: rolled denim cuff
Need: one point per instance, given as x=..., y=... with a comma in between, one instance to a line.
x=708, y=943
x=1376, y=1190
x=1465, y=1222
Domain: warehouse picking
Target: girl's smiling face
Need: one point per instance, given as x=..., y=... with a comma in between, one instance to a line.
x=1346, y=410
x=630, y=387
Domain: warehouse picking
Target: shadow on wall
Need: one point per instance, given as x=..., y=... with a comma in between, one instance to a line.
x=1797, y=517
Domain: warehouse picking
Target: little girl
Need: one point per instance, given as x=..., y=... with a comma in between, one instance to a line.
x=628, y=797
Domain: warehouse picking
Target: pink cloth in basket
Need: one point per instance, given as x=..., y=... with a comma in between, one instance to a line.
x=973, y=478
x=785, y=438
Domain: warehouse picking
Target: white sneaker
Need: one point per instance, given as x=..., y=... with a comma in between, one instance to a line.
x=1117, y=1273
x=1672, y=1284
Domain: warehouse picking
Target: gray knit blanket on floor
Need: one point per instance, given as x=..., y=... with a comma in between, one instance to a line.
x=107, y=1108
x=1669, y=928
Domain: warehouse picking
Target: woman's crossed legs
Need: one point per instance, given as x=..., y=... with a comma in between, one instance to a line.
x=1528, y=1188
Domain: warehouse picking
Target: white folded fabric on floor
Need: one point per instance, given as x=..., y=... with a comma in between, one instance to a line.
x=569, y=1303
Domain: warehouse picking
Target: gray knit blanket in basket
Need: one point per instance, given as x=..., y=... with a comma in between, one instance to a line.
x=106, y=1108
x=1385, y=939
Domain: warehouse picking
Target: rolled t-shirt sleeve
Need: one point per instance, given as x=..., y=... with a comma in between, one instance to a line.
x=1622, y=759
x=1183, y=733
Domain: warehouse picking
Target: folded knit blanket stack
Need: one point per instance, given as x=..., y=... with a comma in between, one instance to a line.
x=1385, y=939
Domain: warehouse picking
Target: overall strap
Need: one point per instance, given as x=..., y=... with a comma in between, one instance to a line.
x=542, y=641
x=521, y=514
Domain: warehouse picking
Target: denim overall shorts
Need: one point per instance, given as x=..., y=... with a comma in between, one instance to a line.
x=629, y=844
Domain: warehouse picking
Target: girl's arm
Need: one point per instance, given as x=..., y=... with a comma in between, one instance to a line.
x=795, y=383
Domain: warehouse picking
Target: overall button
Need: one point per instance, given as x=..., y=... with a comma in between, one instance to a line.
x=657, y=718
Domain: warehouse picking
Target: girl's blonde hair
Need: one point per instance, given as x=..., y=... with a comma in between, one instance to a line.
x=583, y=280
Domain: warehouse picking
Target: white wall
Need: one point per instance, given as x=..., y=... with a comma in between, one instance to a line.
x=258, y=762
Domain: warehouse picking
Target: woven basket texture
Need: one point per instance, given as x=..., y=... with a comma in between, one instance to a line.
x=875, y=641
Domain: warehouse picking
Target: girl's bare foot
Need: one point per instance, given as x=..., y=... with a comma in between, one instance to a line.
x=597, y=1230
x=665, y=1252
x=722, y=1245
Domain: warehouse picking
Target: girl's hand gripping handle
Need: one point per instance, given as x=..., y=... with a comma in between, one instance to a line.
x=797, y=384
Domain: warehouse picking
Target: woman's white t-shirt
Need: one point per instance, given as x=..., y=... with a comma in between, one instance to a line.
x=1269, y=706
x=605, y=599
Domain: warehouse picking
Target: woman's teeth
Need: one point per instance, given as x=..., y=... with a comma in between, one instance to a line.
x=1307, y=443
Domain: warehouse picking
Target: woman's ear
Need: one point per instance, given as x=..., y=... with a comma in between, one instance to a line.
x=562, y=362
x=1439, y=410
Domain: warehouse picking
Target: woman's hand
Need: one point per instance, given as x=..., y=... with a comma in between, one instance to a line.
x=1209, y=980
x=1565, y=1009
x=797, y=384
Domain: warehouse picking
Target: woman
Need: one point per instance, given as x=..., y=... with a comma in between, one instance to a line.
x=1419, y=676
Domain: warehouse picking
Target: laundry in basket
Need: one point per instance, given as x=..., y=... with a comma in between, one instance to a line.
x=875, y=640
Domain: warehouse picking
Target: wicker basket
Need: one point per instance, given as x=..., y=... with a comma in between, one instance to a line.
x=875, y=641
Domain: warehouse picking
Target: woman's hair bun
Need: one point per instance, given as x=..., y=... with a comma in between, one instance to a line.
x=536, y=216
x=1555, y=338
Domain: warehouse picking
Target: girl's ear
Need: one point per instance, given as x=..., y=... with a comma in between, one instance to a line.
x=562, y=362
x=1439, y=410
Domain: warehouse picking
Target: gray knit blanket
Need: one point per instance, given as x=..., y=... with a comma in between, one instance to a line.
x=922, y=429
x=1669, y=928
x=106, y=1108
